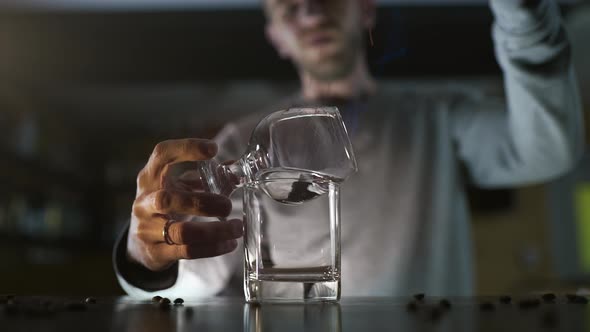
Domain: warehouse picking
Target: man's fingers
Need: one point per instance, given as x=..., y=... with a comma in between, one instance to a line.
x=184, y=185
x=174, y=253
x=170, y=202
x=193, y=180
x=203, y=233
x=172, y=152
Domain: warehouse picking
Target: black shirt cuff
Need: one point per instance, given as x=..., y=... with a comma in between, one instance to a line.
x=137, y=275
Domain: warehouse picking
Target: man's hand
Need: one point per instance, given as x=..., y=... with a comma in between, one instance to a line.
x=161, y=197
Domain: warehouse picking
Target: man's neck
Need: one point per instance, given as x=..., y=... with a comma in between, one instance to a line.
x=357, y=84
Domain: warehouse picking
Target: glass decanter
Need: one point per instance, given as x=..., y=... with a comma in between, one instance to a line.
x=297, y=142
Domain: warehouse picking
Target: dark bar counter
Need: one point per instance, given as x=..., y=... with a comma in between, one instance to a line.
x=61, y=314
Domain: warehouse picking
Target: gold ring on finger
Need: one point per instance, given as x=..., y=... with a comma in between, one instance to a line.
x=165, y=232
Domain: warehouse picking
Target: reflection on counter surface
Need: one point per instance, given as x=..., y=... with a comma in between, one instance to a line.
x=485, y=314
x=226, y=315
x=293, y=317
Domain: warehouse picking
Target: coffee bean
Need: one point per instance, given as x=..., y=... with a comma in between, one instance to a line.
x=156, y=298
x=573, y=298
x=8, y=299
x=90, y=300
x=505, y=299
x=445, y=304
x=76, y=306
x=412, y=306
x=487, y=306
x=579, y=300
x=163, y=305
x=529, y=303
x=178, y=301
x=419, y=296
x=548, y=297
x=165, y=300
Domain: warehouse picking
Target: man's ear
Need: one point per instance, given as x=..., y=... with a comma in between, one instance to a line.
x=273, y=37
x=368, y=13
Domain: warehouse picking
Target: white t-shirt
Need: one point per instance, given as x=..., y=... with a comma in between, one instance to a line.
x=404, y=217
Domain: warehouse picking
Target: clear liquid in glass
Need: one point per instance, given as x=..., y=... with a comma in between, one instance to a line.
x=292, y=240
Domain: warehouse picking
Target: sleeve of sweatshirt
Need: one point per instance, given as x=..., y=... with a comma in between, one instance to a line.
x=196, y=278
x=537, y=133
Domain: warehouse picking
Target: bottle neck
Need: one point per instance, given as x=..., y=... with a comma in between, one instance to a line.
x=244, y=170
x=235, y=175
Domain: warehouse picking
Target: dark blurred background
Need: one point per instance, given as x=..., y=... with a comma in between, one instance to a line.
x=87, y=88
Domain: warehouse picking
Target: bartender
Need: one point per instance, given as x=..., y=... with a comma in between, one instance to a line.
x=405, y=224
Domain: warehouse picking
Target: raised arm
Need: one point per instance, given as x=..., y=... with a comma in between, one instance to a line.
x=538, y=133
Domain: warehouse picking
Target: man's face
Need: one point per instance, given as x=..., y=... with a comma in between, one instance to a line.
x=321, y=37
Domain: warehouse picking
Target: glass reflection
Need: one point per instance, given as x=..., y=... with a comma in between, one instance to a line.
x=325, y=317
x=211, y=314
x=136, y=316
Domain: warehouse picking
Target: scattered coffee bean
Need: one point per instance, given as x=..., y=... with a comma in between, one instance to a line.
x=549, y=319
x=549, y=297
x=189, y=312
x=165, y=300
x=156, y=298
x=529, y=303
x=76, y=306
x=90, y=300
x=8, y=299
x=419, y=297
x=178, y=301
x=579, y=300
x=573, y=298
x=435, y=314
x=505, y=299
x=412, y=306
x=163, y=305
x=487, y=306
x=445, y=304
